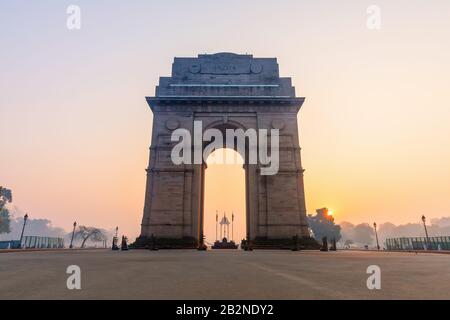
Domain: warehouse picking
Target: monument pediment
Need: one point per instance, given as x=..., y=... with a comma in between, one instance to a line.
x=225, y=63
x=224, y=75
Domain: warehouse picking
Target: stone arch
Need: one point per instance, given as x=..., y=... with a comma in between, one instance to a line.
x=229, y=124
x=224, y=90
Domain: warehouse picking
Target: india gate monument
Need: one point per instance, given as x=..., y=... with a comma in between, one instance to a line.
x=224, y=91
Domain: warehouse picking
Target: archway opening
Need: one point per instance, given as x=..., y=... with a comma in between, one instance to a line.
x=224, y=194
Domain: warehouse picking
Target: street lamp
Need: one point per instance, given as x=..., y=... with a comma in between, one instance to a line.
x=376, y=234
x=115, y=240
x=73, y=233
x=426, y=231
x=25, y=218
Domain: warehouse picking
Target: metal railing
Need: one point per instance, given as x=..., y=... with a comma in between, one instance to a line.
x=10, y=244
x=418, y=243
x=42, y=242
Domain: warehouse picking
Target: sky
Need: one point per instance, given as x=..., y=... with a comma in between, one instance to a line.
x=374, y=129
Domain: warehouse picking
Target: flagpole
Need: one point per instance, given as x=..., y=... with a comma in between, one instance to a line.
x=221, y=230
x=232, y=226
x=217, y=219
x=224, y=227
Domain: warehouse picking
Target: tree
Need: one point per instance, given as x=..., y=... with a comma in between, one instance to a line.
x=5, y=196
x=322, y=225
x=94, y=234
x=5, y=219
x=363, y=233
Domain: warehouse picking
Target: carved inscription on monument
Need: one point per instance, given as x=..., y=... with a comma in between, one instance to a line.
x=225, y=68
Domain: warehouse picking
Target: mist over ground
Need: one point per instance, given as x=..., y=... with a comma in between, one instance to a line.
x=356, y=235
x=363, y=234
x=42, y=227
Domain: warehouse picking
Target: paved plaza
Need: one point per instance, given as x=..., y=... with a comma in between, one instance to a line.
x=190, y=274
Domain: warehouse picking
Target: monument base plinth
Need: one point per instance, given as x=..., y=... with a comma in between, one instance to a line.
x=144, y=242
x=294, y=243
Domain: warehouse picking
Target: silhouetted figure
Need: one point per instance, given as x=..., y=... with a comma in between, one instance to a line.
x=324, y=246
x=246, y=245
x=124, y=245
x=201, y=245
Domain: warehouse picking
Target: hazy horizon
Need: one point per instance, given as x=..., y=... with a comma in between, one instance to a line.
x=374, y=128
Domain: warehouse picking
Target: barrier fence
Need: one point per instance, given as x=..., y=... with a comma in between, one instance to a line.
x=42, y=242
x=33, y=242
x=418, y=243
x=10, y=244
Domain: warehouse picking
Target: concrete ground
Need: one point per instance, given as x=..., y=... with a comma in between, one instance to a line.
x=189, y=274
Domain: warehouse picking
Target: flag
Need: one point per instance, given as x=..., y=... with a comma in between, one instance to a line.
x=217, y=216
x=232, y=216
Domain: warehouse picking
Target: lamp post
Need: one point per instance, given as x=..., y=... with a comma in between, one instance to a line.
x=376, y=235
x=115, y=240
x=25, y=218
x=73, y=234
x=426, y=231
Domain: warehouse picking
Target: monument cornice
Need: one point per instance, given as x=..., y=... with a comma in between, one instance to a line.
x=225, y=104
x=283, y=100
